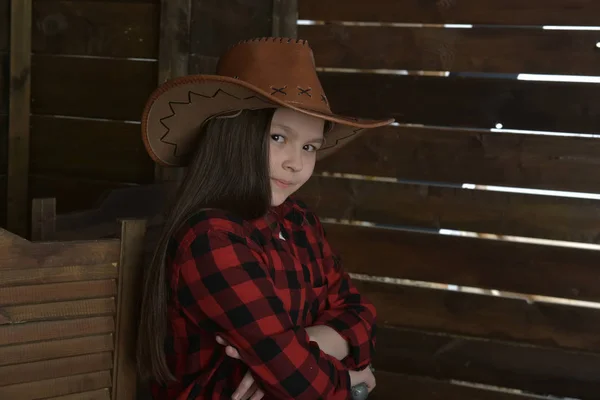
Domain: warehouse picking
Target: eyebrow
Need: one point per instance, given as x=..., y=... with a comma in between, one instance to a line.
x=292, y=131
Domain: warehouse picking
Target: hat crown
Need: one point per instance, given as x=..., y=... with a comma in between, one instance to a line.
x=284, y=68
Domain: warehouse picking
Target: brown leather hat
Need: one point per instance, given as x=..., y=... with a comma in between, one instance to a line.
x=253, y=74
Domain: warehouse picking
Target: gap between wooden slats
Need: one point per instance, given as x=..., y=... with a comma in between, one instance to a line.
x=57, y=368
x=57, y=387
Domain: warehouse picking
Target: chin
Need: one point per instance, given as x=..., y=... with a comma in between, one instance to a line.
x=278, y=198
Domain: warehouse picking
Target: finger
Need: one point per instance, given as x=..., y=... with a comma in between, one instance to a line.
x=232, y=352
x=250, y=392
x=258, y=395
x=243, y=387
x=220, y=340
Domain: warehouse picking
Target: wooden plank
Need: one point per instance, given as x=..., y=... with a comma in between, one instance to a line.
x=43, y=219
x=390, y=385
x=25, y=254
x=285, y=19
x=39, y=351
x=59, y=310
x=464, y=156
x=17, y=214
x=507, y=12
x=465, y=101
x=87, y=150
x=435, y=207
x=4, y=25
x=17, y=277
x=58, y=368
x=500, y=50
x=51, y=330
x=472, y=262
x=58, y=292
x=56, y=387
x=73, y=194
x=2, y=201
x=131, y=273
x=542, y=324
x=529, y=368
x=88, y=87
x=109, y=29
x=100, y=394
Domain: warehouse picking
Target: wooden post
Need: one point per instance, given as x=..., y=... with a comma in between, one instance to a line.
x=43, y=219
x=173, y=55
x=17, y=209
x=129, y=290
x=285, y=18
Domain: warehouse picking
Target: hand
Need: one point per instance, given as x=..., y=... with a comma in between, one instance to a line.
x=363, y=376
x=248, y=388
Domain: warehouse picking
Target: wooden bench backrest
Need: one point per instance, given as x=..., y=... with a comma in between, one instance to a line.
x=68, y=316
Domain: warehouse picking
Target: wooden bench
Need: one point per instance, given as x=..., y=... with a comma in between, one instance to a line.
x=68, y=316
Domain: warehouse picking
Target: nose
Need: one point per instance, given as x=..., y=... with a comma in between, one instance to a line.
x=293, y=161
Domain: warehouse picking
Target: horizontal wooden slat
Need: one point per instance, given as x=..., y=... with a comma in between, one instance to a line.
x=88, y=87
x=58, y=368
x=50, y=330
x=36, y=276
x=59, y=310
x=393, y=386
x=112, y=29
x=100, y=394
x=529, y=368
x=507, y=12
x=466, y=101
x=25, y=254
x=56, y=387
x=500, y=50
x=57, y=292
x=39, y=351
x=86, y=149
x=464, y=156
x=454, y=208
x=489, y=264
x=72, y=194
x=543, y=324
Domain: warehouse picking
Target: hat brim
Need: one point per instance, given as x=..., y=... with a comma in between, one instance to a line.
x=178, y=108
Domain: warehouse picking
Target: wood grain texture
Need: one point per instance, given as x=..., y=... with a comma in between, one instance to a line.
x=465, y=101
x=542, y=324
x=18, y=277
x=52, y=330
x=91, y=28
x=48, y=350
x=463, y=156
x=57, y=311
x=392, y=385
x=86, y=149
x=17, y=185
x=43, y=219
x=20, y=254
x=100, y=394
x=56, y=387
x=499, y=50
x=97, y=88
x=52, y=369
x=4, y=26
x=490, y=264
x=72, y=194
x=434, y=207
x=57, y=292
x=532, y=369
x=507, y=12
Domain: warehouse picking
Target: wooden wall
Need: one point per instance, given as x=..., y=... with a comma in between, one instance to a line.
x=4, y=74
x=406, y=181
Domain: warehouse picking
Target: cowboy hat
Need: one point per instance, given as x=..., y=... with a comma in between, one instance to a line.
x=253, y=74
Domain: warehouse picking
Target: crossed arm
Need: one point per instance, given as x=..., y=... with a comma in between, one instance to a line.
x=224, y=287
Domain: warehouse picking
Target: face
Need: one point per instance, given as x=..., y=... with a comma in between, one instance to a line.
x=294, y=141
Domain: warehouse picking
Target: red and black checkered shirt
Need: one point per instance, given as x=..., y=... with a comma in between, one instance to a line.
x=258, y=284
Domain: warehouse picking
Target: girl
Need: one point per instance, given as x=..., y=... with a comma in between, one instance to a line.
x=244, y=298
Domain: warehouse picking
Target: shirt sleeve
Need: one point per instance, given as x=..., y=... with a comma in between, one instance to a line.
x=351, y=315
x=224, y=286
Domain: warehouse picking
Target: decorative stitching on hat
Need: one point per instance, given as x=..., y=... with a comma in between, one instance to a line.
x=324, y=99
x=279, y=90
x=304, y=91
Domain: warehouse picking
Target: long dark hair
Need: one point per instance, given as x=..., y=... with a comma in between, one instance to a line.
x=229, y=171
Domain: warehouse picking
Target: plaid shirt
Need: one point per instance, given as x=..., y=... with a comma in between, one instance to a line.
x=258, y=284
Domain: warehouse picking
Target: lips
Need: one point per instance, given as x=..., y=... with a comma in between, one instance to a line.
x=282, y=184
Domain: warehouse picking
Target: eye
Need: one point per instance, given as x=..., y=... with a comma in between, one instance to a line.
x=278, y=138
x=310, y=148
